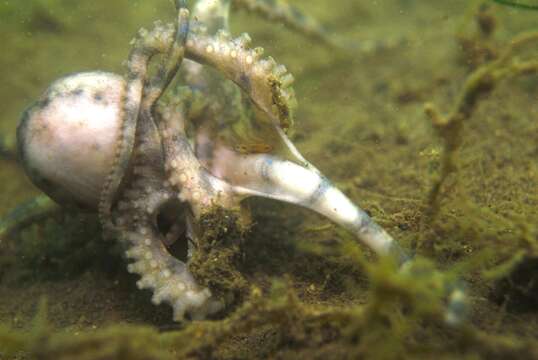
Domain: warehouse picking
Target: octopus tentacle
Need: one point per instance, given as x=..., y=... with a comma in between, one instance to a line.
x=168, y=69
x=27, y=213
x=166, y=276
x=194, y=184
x=267, y=83
x=271, y=177
x=145, y=46
x=136, y=225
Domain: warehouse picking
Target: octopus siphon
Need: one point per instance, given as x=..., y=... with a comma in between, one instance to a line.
x=154, y=163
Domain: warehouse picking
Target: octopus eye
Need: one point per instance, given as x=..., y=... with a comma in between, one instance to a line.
x=175, y=233
x=98, y=96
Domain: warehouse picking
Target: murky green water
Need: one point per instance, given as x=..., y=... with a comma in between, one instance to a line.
x=361, y=121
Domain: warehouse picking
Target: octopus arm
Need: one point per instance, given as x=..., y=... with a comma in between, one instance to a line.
x=27, y=213
x=268, y=176
x=167, y=276
x=162, y=39
x=136, y=226
x=267, y=83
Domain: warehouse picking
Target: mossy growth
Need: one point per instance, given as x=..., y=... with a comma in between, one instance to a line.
x=217, y=261
x=403, y=318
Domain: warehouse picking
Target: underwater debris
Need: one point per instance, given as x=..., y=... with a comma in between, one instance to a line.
x=477, y=86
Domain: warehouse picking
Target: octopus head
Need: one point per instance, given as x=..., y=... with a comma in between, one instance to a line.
x=66, y=138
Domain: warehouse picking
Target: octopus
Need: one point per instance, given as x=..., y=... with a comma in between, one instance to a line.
x=155, y=163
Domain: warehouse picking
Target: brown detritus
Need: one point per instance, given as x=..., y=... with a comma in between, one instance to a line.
x=218, y=258
x=479, y=47
x=519, y=290
x=283, y=107
x=476, y=52
x=44, y=20
x=409, y=96
x=486, y=21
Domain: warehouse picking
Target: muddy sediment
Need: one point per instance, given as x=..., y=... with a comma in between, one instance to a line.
x=305, y=289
